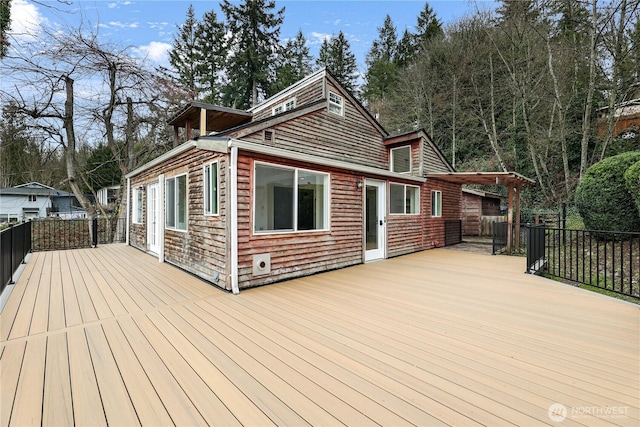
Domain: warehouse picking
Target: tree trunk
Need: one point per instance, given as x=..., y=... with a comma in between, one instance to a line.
x=586, y=119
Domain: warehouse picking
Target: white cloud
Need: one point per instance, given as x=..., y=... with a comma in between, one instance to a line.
x=123, y=25
x=112, y=5
x=26, y=19
x=156, y=52
x=319, y=38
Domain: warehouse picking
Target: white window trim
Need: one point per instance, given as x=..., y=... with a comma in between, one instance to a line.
x=391, y=159
x=326, y=212
x=282, y=107
x=206, y=209
x=404, y=205
x=438, y=212
x=136, y=206
x=186, y=205
x=335, y=104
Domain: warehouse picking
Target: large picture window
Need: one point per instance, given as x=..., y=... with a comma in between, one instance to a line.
x=210, y=189
x=404, y=199
x=290, y=199
x=436, y=203
x=176, y=203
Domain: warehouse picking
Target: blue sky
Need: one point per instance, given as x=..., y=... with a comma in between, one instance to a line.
x=149, y=26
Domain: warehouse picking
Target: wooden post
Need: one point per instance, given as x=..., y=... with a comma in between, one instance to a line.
x=176, y=136
x=517, y=237
x=203, y=121
x=510, y=219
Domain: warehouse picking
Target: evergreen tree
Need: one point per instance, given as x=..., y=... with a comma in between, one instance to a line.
x=5, y=22
x=255, y=28
x=210, y=35
x=405, y=51
x=294, y=63
x=336, y=55
x=428, y=28
x=185, y=56
x=382, y=69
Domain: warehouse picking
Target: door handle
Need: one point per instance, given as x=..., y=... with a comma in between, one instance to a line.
x=381, y=223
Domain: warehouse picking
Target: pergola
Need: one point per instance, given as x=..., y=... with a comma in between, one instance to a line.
x=512, y=180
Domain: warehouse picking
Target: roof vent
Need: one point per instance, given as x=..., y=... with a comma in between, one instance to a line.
x=269, y=137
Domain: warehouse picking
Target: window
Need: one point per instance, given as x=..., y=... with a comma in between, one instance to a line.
x=138, y=200
x=335, y=104
x=33, y=197
x=176, y=203
x=268, y=136
x=290, y=199
x=210, y=189
x=436, y=203
x=285, y=106
x=404, y=199
x=290, y=104
x=401, y=159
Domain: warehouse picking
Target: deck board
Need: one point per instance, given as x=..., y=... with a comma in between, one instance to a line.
x=109, y=336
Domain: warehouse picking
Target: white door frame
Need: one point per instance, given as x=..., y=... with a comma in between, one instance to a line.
x=153, y=218
x=375, y=241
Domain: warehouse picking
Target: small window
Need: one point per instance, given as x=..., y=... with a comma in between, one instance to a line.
x=336, y=105
x=138, y=200
x=404, y=199
x=176, y=207
x=268, y=136
x=210, y=189
x=290, y=199
x=33, y=197
x=276, y=110
x=401, y=159
x=290, y=104
x=436, y=203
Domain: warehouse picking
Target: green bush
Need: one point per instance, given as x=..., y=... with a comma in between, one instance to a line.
x=602, y=198
x=632, y=179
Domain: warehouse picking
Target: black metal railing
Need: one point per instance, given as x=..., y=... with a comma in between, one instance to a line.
x=452, y=232
x=500, y=241
x=60, y=234
x=15, y=244
x=535, y=247
x=603, y=259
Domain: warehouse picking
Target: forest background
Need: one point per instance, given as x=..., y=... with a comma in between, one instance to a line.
x=521, y=88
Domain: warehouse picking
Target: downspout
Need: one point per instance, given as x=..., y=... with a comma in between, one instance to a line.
x=128, y=210
x=233, y=217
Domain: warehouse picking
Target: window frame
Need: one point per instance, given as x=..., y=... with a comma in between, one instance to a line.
x=175, y=182
x=404, y=199
x=283, y=107
x=339, y=105
x=33, y=197
x=326, y=211
x=206, y=190
x=436, y=203
x=138, y=202
x=391, y=158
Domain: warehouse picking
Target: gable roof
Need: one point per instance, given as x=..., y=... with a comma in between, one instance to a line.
x=416, y=135
x=310, y=79
x=34, y=188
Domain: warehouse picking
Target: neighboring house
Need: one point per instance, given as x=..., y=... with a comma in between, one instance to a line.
x=479, y=210
x=35, y=200
x=107, y=196
x=307, y=181
x=626, y=123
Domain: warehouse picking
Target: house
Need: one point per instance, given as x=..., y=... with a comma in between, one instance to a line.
x=306, y=181
x=626, y=117
x=35, y=200
x=479, y=210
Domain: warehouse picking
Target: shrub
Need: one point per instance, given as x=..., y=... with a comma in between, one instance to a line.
x=602, y=197
x=632, y=179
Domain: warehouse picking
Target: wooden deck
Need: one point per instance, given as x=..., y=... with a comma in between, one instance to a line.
x=109, y=336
